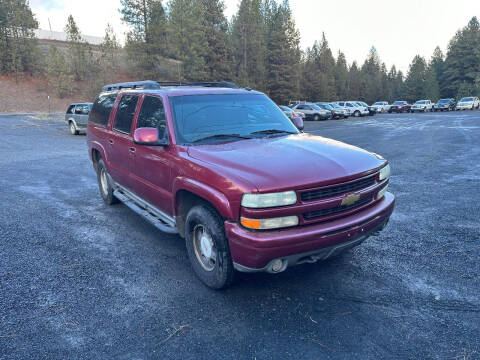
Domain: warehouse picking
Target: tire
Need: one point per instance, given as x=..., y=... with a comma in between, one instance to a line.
x=73, y=128
x=473, y=107
x=204, y=224
x=104, y=185
x=356, y=113
x=316, y=117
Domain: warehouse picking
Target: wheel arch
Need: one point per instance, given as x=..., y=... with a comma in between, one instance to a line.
x=189, y=193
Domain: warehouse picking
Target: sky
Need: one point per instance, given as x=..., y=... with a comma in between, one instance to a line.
x=399, y=29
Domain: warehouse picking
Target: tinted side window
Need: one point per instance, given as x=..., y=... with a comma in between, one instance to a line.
x=70, y=109
x=101, y=109
x=152, y=115
x=125, y=112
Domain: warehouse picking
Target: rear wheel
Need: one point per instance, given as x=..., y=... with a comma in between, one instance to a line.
x=73, y=128
x=316, y=117
x=356, y=113
x=104, y=185
x=207, y=247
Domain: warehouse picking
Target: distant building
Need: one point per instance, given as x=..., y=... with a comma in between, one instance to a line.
x=61, y=36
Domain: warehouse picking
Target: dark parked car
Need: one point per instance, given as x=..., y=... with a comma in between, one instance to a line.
x=290, y=113
x=77, y=117
x=336, y=113
x=400, y=107
x=225, y=169
x=445, y=105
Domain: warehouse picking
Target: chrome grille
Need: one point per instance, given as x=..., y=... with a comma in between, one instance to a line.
x=334, y=210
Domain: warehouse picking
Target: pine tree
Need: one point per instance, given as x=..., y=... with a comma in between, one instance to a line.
x=249, y=45
x=416, y=79
x=79, y=54
x=57, y=72
x=215, y=28
x=18, y=52
x=462, y=64
x=283, y=55
x=354, y=82
x=341, y=76
x=371, y=77
x=188, y=42
x=146, y=43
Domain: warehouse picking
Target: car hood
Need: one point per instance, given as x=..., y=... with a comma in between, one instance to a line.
x=289, y=162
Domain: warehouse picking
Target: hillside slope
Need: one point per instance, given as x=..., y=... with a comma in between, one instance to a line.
x=31, y=95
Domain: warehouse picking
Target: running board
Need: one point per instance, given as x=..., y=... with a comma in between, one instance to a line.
x=158, y=218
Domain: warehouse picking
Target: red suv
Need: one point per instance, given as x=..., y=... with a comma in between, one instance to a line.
x=228, y=171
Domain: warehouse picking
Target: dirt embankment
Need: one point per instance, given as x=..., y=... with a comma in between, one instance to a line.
x=31, y=95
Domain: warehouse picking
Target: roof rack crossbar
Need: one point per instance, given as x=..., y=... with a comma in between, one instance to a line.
x=219, y=84
x=148, y=84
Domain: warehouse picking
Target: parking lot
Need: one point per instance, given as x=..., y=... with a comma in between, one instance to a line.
x=81, y=280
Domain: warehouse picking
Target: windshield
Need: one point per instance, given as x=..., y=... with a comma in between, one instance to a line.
x=336, y=106
x=286, y=109
x=325, y=106
x=421, y=102
x=443, y=101
x=316, y=107
x=378, y=103
x=399, y=103
x=216, y=117
x=466, y=99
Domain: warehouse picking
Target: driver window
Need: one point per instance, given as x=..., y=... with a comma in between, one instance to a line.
x=152, y=115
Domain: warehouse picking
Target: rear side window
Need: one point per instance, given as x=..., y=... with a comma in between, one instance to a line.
x=71, y=109
x=152, y=115
x=125, y=112
x=101, y=109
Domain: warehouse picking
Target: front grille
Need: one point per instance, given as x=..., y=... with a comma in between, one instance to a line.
x=334, y=210
x=340, y=189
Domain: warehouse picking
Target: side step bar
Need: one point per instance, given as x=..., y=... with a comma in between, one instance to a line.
x=158, y=218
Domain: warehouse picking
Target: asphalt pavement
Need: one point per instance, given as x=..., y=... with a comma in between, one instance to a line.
x=82, y=280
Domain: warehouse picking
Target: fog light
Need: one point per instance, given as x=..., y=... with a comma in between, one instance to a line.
x=382, y=192
x=277, y=265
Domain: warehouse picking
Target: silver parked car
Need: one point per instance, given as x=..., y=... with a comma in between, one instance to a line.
x=77, y=117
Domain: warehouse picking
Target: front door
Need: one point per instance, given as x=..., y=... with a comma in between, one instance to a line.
x=120, y=141
x=151, y=166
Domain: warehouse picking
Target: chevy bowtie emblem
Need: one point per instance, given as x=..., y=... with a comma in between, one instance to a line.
x=350, y=199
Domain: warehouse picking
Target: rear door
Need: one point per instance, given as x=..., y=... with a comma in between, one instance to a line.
x=151, y=165
x=81, y=114
x=120, y=140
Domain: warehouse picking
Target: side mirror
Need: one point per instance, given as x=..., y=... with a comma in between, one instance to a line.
x=298, y=122
x=149, y=137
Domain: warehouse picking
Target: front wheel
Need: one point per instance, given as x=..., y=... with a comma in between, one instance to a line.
x=316, y=117
x=207, y=247
x=356, y=113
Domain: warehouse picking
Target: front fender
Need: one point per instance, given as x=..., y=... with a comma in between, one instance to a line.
x=213, y=196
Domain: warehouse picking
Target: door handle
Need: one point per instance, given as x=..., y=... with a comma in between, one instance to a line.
x=132, y=150
x=110, y=141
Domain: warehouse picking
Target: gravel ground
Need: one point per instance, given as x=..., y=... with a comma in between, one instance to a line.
x=80, y=280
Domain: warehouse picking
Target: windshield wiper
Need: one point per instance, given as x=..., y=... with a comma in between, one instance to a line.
x=272, y=131
x=222, y=136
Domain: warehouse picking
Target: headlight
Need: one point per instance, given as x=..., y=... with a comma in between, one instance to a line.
x=266, y=224
x=269, y=200
x=382, y=192
x=385, y=172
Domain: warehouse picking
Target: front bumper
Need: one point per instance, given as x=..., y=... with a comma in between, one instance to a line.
x=256, y=251
x=464, y=107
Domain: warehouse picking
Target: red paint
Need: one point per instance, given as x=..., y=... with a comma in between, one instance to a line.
x=222, y=173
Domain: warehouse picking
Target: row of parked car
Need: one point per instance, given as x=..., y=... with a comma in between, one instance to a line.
x=344, y=109
x=466, y=103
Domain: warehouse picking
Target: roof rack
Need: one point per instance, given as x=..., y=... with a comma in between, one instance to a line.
x=218, y=84
x=149, y=84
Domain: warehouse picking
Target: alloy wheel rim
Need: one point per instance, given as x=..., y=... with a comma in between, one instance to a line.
x=204, y=248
